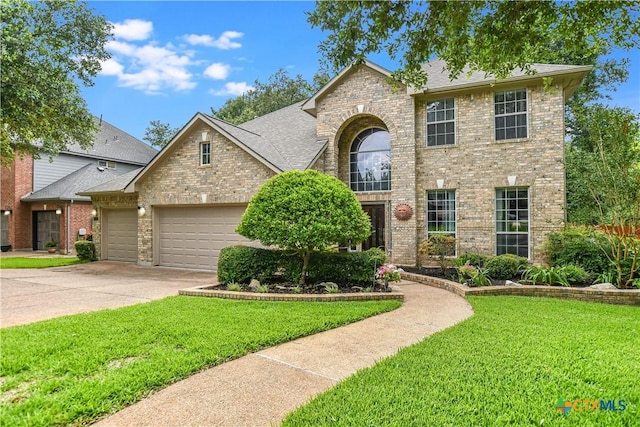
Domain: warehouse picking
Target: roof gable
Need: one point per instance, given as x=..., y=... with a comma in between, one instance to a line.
x=310, y=105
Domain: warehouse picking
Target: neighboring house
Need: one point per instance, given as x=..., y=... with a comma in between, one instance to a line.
x=477, y=158
x=39, y=196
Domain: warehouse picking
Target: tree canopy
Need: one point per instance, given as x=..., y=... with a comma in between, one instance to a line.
x=159, y=134
x=47, y=50
x=278, y=92
x=491, y=36
x=304, y=212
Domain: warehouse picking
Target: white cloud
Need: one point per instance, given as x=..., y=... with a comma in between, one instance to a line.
x=217, y=71
x=111, y=67
x=233, y=88
x=224, y=42
x=132, y=29
x=149, y=68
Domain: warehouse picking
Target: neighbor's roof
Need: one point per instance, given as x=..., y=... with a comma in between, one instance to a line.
x=439, y=80
x=67, y=188
x=111, y=143
x=116, y=185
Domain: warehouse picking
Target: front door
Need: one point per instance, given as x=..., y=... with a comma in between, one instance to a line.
x=47, y=228
x=376, y=214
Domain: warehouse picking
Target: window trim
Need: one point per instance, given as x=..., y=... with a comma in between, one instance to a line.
x=454, y=120
x=203, y=154
x=455, y=216
x=526, y=114
x=108, y=164
x=528, y=232
x=351, y=153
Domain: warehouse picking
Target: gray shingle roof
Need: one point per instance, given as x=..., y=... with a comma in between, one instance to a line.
x=67, y=188
x=292, y=132
x=113, y=186
x=439, y=76
x=112, y=143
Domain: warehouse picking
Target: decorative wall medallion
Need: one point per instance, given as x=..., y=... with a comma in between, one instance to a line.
x=403, y=212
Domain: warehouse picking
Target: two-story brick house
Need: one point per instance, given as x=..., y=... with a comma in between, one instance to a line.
x=477, y=158
x=39, y=200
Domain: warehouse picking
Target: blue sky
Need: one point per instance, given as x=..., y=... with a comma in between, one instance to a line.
x=173, y=59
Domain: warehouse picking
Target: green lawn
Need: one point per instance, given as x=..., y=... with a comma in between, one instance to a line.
x=74, y=369
x=29, y=262
x=509, y=364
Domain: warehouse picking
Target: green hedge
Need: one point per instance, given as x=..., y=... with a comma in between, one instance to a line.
x=579, y=246
x=240, y=264
x=505, y=267
x=85, y=250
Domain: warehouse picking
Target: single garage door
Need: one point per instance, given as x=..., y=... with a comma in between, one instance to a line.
x=121, y=235
x=193, y=237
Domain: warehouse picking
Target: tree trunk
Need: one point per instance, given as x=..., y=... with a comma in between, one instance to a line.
x=305, y=265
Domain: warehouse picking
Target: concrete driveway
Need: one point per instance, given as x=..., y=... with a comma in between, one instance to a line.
x=30, y=295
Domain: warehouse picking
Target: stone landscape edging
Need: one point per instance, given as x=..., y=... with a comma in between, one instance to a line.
x=613, y=296
x=212, y=291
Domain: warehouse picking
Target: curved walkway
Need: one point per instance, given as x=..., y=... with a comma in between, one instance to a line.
x=261, y=388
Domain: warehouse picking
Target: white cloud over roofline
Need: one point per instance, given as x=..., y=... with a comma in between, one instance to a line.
x=132, y=29
x=224, y=42
x=217, y=71
x=232, y=88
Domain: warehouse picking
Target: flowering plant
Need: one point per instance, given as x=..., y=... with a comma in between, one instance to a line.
x=473, y=276
x=388, y=273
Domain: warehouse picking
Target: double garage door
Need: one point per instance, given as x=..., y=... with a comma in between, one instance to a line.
x=193, y=237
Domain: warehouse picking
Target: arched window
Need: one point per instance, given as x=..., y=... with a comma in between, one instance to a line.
x=370, y=164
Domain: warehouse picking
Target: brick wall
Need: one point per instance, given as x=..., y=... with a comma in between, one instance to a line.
x=17, y=181
x=362, y=100
x=477, y=165
x=233, y=177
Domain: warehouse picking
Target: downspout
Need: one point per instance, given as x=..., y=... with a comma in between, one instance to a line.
x=68, y=223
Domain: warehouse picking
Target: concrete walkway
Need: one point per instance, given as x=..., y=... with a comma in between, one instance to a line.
x=261, y=388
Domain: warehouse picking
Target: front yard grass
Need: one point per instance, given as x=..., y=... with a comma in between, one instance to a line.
x=75, y=369
x=28, y=262
x=509, y=364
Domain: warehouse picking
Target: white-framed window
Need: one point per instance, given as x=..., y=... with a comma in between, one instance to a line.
x=511, y=114
x=370, y=161
x=512, y=221
x=205, y=153
x=106, y=164
x=441, y=213
x=441, y=123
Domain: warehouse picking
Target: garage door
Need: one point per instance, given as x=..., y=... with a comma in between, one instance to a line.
x=193, y=237
x=121, y=235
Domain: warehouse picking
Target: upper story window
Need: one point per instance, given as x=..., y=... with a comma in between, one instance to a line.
x=511, y=114
x=106, y=164
x=370, y=161
x=205, y=153
x=441, y=122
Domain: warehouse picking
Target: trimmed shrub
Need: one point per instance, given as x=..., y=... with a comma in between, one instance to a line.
x=579, y=246
x=85, y=250
x=506, y=266
x=341, y=267
x=240, y=264
x=471, y=258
